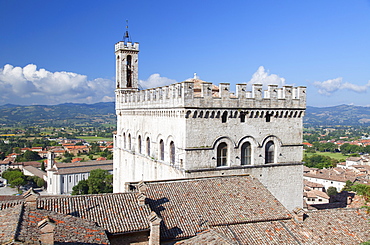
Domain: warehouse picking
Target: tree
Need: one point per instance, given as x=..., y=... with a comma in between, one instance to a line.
x=11, y=174
x=43, y=166
x=319, y=161
x=2, y=155
x=18, y=182
x=81, y=188
x=15, y=177
x=347, y=186
x=40, y=182
x=332, y=191
x=347, y=148
x=363, y=190
x=99, y=181
x=67, y=159
x=29, y=156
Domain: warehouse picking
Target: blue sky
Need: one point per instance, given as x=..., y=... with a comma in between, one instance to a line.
x=54, y=52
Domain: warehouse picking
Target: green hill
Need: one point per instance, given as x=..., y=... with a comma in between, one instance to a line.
x=104, y=112
x=58, y=115
x=338, y=115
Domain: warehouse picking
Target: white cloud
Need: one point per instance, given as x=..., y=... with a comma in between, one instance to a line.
x=28, y=85
x=261, y=76
x=155, y=80
x=332, y=85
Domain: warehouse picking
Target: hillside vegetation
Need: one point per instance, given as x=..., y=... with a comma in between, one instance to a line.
x=104, y=112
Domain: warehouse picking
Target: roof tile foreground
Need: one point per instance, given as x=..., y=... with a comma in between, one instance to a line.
x=116, y=213
x=237, y=208
x=329, y=227
x=188, y=205
x=20, y=224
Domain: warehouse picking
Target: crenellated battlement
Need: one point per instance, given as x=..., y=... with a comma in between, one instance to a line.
x=126, y=46
x=207, y=95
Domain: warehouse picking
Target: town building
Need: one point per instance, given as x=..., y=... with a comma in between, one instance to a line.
x=197, y=129
x=335, y=177
x=62, y=177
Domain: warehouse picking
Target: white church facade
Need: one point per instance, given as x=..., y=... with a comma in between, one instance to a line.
x=197, y=129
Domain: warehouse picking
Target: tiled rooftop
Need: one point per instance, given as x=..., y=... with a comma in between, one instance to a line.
x=209, y=237
x=329, y=227
x=20, y=224
x=116, y=213
x=271, y=232
x=37, y=172
x=312, y=184
x=330, y=174
x=187, y=205
x=83, y=167
x=332, y=227
x=8, y=223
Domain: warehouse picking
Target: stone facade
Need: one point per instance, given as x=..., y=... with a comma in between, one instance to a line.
x=197, y=129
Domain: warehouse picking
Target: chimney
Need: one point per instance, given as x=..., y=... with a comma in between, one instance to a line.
x=142, y=187
x=155, y=225
x=31, y=198
x=141, y=199
x=349, y=200
x=46, y=227
x=298, y=215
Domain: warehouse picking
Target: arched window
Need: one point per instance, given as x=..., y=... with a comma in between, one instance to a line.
x=161, y=150
x=269, y=152
x=129, y=142
x=124, y=140
x=222, y=155
x=246, y=154
x=148, y=146
x=139, y=143
x=172, y=152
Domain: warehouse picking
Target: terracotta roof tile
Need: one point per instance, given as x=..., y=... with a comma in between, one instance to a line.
x=20, y=224
x=9, y=219
x=184, y=204
x=116, y=213
x=334, y=226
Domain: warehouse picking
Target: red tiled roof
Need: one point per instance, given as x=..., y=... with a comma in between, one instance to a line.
x=20, y=223
x=182, y=204
x=77, y=159
x=329, y=227
x=116, y=213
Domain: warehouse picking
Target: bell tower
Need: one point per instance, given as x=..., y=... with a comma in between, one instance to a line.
x=127, y=64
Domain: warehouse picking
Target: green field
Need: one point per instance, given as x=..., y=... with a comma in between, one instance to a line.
x=337, y=156
x=93, y=138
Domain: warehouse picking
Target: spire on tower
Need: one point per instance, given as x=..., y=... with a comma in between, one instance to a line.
x=126, y=37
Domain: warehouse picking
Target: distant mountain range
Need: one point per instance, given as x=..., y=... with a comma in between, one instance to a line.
x=337, y=115
x=58, y=115
x=104, y=112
